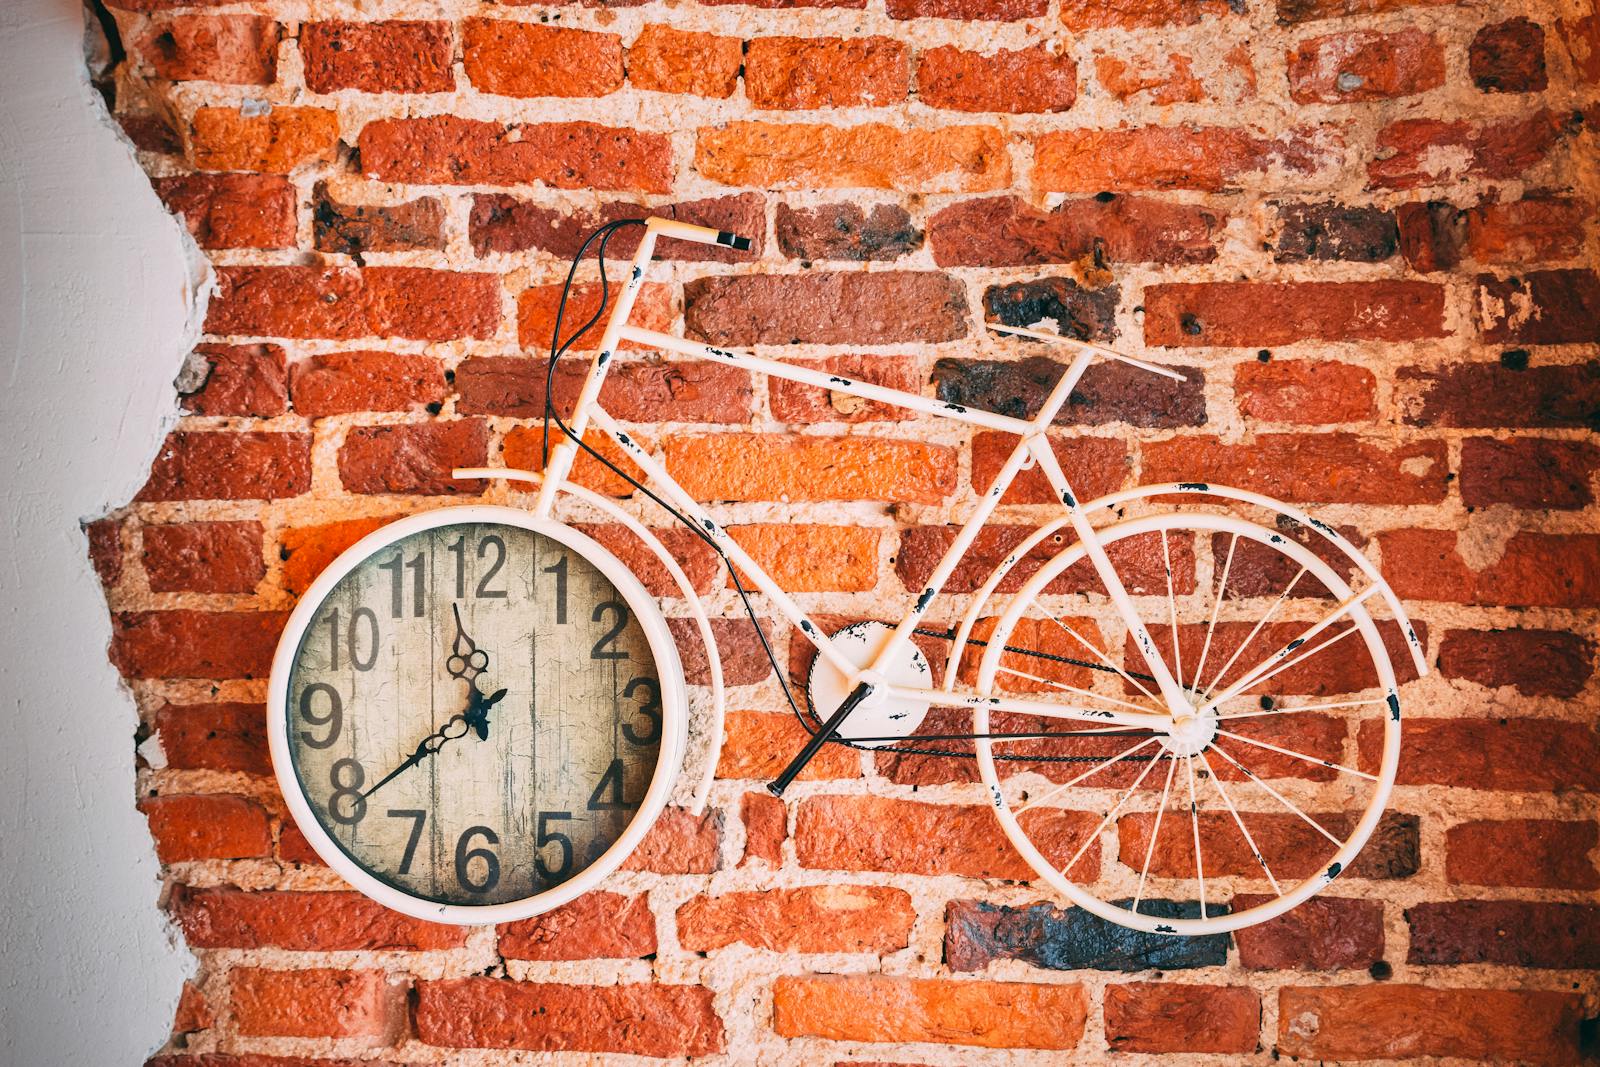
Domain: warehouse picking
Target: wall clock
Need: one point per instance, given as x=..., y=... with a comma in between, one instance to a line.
x=402, y=714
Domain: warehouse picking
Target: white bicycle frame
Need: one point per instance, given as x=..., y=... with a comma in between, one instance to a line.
x=1033, y=445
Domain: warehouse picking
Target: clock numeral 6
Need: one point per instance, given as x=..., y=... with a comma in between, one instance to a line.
x=465, y=856
x=347, y=768
x=551, y=837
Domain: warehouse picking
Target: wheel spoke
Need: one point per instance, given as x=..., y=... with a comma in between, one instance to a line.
x=1301, y=707
x=1254, y=851
x=1283, y=598
x=1150, y=850
x=1041, y=798
x=1074, y=689
x=1280, y=797
x=1216, y=608
x=1254, y=675
x=1172, y=612
x=1112, y=814
x=1104, y=658
x=1298, y=755
x=1194, y=820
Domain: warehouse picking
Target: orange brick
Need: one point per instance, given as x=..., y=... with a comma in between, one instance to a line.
x=948, y=159
x=1174, y=157
x=796, y=73
x=307, y=550
x=1026, y=80
x=536, y=315
x=511, y=58
x=666, y=60
x=1080, y=15
x=1305, y=391
x=318, y=1002
x=207, y=827
x=231, y=49
x=813, y=559
x=1321, y=468
x=759, y=744
x=822, y=918
x=595, y=926
x=275, y=143
x=780, y=467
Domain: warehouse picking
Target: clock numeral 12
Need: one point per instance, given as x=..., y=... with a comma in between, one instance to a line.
x=482, y=590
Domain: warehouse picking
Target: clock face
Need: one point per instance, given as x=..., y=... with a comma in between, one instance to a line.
x=473, y=712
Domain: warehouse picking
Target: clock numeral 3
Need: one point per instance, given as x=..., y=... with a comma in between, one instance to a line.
x=551, y=837
x=465, y=856
x=347, y=768
x=650, y=709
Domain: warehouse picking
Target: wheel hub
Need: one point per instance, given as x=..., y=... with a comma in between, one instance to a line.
x=1189, y=735
x=880, y=715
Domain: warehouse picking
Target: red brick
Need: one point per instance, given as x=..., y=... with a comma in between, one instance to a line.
x=1551, y=663
x=151, y=133
x=511, y=58
x=871, y=155
x=1080, y=15
x=294, y=848
x=1094, y=466
x=504, y=223
x=195, y=644
x=207, y=827
x=759, y=744
x=523, y=449
x=1107, y=394
x=1527, y=472
x=277, y=142
x=447, y=150
x=1421, y=152
x=1494, y=396
x=1207, y=314
x=1163, y=1017
x=766, y=826
x=793, y=402
x=200, y=465
x=1526, y=853
x=251, y=1059
x=1325, y=468
x=1175, y=157
x=337, y=383
x=1314, y=392
x=667, y=60
x=849, y=833
x=345, y=303
x=318, y=1002
x=1323, y=934
x=595, y=926
x=789, y=468
x=680, y=843
x=1543, y=307
x=797, y=73
x=1580, y=39
x=1010, y=232
x=1534, y=569
x=634, y=390
x=105, y=549
x=1295, y=11
x=239, y=380
x=1293, y=849
x=643, y=1019
x=820, y=918
x=378, y=57
x=1508, y=57
x=302, y=922
x=973, y=10
x=874, y=1007
x=355, y=229
x=536, y=314
x=231, y=49
x=1528, y=230
x=1394, y=1022
x=233, y=210
x=1365, y=65
x=1138, y=561
x=228, y=736
x=414, y=458
x=743, y=660
x=835, y=307
x=1511, y=755
x=1027, y=80
x=1431, y=234
x=204, y=557
x=846, y=231
x=700, y=564
x=306, y=550
x=1513, y=933
x=193, y=1013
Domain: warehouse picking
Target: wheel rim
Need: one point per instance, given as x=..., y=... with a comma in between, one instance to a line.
x=1229, y=744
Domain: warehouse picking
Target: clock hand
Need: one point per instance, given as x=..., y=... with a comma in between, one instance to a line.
x=475, y=718
x=466, y=659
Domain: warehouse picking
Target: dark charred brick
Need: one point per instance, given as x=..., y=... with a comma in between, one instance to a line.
x=846, y=232
x=1087, y=314
x=1546, y=663
x=1492, y=396
x=1508, y=57
x=1528, y=472
x=1322, y=934
x=1394, y=850
x=357, y=228
x=1006, y=231
x=1073, y=939
x=504, y=223
x=105, y=549
x=1543, y=307
x=1334, y=231
x=1514, y=933
x=151, y=133
x=1107, y=392
x=1431, y=235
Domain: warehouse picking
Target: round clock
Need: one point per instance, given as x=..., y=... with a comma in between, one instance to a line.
x=475, y=715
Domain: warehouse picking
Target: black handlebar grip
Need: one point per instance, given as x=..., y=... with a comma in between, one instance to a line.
x=733, y=240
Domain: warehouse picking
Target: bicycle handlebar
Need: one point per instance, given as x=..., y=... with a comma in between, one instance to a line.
x=704, y=235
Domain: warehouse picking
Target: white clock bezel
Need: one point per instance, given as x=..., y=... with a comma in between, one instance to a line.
x=669, y=759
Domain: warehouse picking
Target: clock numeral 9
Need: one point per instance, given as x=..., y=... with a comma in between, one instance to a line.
x=609, y=638
x=347, y=768
x=650, y=709
x=352, y=642
x=482, y=590
x=396, y=586
x=333, y=720
x=465, y=856
x=551, y=837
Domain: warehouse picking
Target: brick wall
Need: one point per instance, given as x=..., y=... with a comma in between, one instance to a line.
x=1365, y=227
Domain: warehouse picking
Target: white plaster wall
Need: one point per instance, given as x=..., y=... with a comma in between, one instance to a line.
x=97, y=290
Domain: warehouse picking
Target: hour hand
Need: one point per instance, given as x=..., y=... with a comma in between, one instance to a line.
x=423, y=751
x=478, y=714
x=466, y=659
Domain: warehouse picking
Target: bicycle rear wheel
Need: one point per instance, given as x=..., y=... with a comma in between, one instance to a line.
x=1252, y=800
